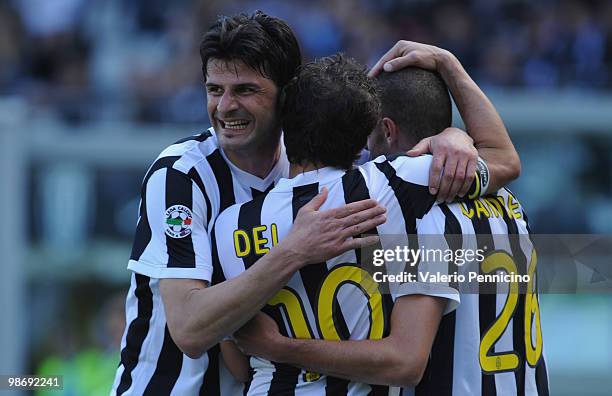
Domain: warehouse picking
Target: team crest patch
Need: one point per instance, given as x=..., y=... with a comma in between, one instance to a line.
x=178, y=221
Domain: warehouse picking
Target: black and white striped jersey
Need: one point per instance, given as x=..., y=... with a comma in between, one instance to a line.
x=492, y=343
x=184, y=190
x=337, y=299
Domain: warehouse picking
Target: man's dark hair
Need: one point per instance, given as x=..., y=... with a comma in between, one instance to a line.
x=328, y=111
x=417, y=100
x=264, y=43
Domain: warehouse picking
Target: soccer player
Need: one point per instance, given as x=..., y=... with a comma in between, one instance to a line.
x=492, y=344
x=174, y=320
x=328, y=112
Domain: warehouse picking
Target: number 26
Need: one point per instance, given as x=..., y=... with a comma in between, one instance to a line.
x=491, y=362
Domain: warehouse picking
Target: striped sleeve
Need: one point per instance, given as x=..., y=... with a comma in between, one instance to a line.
x=171, y=239
x=433, y=268
x=226, y=262
x=409, y=177
x=412, y=206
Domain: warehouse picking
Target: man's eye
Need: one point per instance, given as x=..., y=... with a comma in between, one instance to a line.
x=246, y=90
x=214, y=90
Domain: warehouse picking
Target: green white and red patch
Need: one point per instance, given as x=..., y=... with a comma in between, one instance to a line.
x=178, y=221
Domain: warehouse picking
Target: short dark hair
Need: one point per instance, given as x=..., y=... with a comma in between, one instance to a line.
x=264, y=43
x=417, y=100
x=328, y=111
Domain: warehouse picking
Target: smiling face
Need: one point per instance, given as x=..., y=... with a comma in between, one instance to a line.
x=242, y=106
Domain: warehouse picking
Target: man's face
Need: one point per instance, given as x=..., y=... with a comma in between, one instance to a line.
x=241, y=105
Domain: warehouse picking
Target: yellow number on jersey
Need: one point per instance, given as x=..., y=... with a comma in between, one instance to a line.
x=337, y=277
x=332, y=283
x=503, y=361
x=532, y=312
x=498, y=362
x=290, y=300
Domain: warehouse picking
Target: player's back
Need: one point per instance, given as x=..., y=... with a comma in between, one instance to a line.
x=334, y=300
x=492, y=343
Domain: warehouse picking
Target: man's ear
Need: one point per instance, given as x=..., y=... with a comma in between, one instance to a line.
x=390, y=131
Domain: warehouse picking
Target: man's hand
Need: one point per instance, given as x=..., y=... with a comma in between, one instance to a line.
x=260, y=337
x=408, y=53
x=454, y=162
x=481, y=120
x=398, y=359
x=317, y=235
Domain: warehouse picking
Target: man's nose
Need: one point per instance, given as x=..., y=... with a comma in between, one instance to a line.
x=227, y=103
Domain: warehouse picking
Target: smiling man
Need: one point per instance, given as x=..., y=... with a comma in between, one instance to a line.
x=244, y=118
x=174, y=318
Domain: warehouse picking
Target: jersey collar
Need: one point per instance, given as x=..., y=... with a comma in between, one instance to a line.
x=322, y=176
x=280, y=169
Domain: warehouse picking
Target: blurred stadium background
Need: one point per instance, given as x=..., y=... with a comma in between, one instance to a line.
x=92, y=90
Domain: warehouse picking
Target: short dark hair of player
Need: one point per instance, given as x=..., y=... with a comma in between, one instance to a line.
x=264, y=43
x=417, y=100
x=328, y=111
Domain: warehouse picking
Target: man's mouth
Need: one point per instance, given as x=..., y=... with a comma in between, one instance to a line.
x=234, y=125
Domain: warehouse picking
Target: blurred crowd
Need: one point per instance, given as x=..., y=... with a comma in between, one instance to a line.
x=137, y=60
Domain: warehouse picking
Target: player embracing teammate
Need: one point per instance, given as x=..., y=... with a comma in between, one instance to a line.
x=331, y=320
x=175, y=316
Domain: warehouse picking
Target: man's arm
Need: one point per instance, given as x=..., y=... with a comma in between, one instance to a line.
x=479, y=115
x=235, y=361
x=398, y=359
x=199, y=316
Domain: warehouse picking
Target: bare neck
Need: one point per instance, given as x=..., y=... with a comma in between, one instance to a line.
x=296, y=169
x=258, y=163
